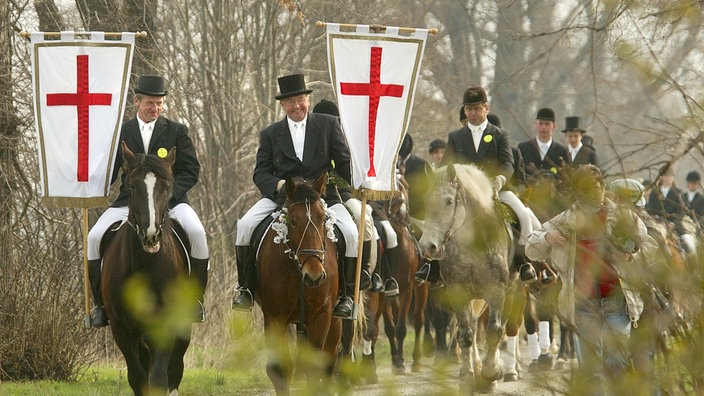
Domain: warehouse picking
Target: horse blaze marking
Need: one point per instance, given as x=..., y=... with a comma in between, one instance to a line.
x=82, y=99
x=150, y=182
x=375, y=90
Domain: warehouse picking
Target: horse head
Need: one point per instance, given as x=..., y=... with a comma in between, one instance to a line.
x=306, y=227
x=459, y=206
x=149, y=182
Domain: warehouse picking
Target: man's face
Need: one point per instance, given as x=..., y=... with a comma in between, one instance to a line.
x=476, y=113
x=573, y=137
x=149, y=107
x=693, y=186
x=667, y=179
x=296, y=107
x=545, y=129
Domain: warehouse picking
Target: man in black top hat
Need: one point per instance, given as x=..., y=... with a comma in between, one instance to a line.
x=305, y=145
x=580, y=154
x=543, y=152
x=482, y=143
x=150, y=132
x=693, y=199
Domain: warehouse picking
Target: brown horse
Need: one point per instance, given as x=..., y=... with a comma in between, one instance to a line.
x=395, y=310
x=144, y=269
x=298, y=283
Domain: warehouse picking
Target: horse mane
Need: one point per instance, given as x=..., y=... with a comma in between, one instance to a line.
x=152, y=163
x=304, y=191
x=475, y=185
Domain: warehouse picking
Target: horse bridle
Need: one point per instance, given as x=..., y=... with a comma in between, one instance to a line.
x=132, y=221
x=459, y=199
x=317, y=253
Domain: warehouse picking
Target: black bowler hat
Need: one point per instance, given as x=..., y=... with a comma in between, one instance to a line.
x=546, y=114
x=474, y=94
x=572, y=125
x=326, y=107
x=151, y=86
x=292, y=85
x=693, y=177
x=436, y=144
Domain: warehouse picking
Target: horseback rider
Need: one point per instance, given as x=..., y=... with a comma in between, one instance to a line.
x=306, y=145
x=151, y=133
x=484, y=144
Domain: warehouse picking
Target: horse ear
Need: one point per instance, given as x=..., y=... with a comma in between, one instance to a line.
x=321, y=183
x=290, y=187
x=127, y=154
x=451, y=172
x=171, y=157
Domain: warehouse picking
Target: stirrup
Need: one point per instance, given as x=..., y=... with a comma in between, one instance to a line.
x=391, y=288
x=423, y=273
x=244, y=301
x=200, y=313
x=343, y=308
x=98, y=317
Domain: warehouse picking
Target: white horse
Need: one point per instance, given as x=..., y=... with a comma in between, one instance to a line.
x=465, y=231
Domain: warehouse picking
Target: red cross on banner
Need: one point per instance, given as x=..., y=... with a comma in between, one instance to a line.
x=82, y=99
x=375, y=90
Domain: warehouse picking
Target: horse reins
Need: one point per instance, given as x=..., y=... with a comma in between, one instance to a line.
x=317, y=253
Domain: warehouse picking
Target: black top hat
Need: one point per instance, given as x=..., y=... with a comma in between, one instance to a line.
x=693, y=177
x=436, y=144
x=493, y=119
x=474, y=94
x=292, y=85
x=572, y=125
x=326, y=107
x=151, y=86
x=546, y=114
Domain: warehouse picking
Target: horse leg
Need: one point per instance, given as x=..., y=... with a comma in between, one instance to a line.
x=323, y=338
x=465, y=338
x=278, y=366
x=130, y=347
x=514, y=311
x=158, y=376
x=428, y=340
x=401, y=315
x=374, y=307
x=491, y=367
x=176, y=363
x=390, y=331
x=421, y=298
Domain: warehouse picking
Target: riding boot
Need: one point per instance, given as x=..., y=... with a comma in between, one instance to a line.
x=365, y=278
x=391, y=285
x=526, y=272
x=244, y=301
x=429, y=272
x=98, y=317
x=199, y=272
x=345, y=305
x=377, y=282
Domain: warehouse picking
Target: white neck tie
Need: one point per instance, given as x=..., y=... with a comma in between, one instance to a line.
x=299, y=135
x=146, y=136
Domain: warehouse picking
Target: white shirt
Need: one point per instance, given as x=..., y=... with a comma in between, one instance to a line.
x=477, y=132
x=575, y=150
x=146, y=129
x=298, y=135
x=664, y=190
x=544, y=147
x=690, y=195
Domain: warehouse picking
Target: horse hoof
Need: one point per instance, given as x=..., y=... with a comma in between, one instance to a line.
x=398, y=370
x=415, y=368
x=485, y=386
x=510, y=377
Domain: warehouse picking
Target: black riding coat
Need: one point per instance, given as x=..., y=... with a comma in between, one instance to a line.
x=166, y=134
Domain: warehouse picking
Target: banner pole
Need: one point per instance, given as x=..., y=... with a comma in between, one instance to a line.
x=375, y=27
x=360, y=243
x=25, y=34
x=86, y=282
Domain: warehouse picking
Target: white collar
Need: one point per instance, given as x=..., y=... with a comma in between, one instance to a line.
x=478, y=128
x=291, y=122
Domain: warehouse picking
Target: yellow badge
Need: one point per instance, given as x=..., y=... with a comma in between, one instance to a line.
x=488, y=138
x=162, y=152
x=553, y=170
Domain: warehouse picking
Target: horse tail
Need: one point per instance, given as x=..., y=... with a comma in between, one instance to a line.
x=361, y=322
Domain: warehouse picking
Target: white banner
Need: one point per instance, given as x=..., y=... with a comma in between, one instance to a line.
x=374, y=76
x=80, y=89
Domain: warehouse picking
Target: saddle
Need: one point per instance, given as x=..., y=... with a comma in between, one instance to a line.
x=176, y=228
